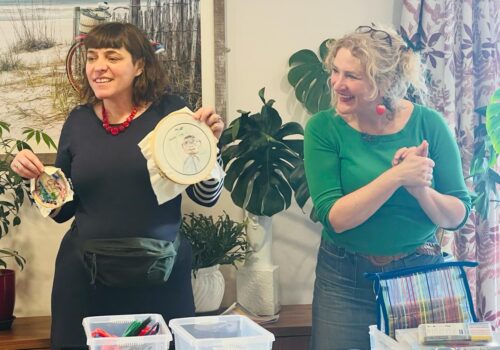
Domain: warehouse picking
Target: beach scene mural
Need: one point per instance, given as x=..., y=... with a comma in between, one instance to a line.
x=37, y=35
x=35, y=38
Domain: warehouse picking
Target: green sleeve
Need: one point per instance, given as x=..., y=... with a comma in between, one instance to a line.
x=322, y=165
x=448, y=176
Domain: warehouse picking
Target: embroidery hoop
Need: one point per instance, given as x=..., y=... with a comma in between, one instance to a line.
x=184, y=149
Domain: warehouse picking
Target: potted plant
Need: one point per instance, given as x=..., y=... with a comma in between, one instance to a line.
x=13, y=192
x=214, y=243
x=260, y=154
x=263, y=160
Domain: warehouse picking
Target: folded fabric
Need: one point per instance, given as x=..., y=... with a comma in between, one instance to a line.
x=51, y=190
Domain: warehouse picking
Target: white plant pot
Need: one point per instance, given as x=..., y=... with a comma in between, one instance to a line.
x=208, y=288
x=257, y=281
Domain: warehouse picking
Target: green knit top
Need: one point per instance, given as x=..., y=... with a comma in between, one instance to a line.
x=339, y=159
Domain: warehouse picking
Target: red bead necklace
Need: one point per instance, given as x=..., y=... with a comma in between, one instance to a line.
x=116, y=129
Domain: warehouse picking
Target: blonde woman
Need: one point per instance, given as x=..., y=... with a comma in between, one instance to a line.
x=384, y=173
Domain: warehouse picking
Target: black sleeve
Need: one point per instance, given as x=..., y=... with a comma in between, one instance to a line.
x=63, y=161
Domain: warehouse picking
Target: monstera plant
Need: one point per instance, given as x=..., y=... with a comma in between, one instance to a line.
x=486, y=149
x=310, y=79
x=260, y=154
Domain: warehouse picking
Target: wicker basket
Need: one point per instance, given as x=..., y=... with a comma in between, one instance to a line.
x=89, y=18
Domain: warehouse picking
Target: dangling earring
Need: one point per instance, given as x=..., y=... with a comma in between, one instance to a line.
x=380, y=109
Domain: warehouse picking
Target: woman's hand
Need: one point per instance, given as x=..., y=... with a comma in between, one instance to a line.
x=26, y=164
x=213, y=120
x=418, y=170
x=422, y=150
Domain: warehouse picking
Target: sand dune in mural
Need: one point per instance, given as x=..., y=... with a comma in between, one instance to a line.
x=33, y=87
x=36, y=94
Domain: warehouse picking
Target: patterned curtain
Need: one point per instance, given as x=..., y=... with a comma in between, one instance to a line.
x=459, y=40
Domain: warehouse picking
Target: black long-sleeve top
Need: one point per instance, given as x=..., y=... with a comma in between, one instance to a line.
x=113, y=193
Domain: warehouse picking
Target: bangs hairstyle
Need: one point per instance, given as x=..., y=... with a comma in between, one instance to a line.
x=389, y=66
x=150, y=84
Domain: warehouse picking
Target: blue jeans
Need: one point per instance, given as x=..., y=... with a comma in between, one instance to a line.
x=344, y=301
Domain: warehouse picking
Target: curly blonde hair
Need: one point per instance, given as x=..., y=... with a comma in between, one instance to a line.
x=390, y=66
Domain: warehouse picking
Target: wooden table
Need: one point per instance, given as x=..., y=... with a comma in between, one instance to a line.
x=292, y=331
x=27, y=333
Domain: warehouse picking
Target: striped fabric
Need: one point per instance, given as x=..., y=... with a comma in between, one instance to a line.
x=435, y=294
x=206, y=193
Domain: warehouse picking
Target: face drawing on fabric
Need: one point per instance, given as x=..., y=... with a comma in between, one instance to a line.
x=186, y=148
x=191, y=147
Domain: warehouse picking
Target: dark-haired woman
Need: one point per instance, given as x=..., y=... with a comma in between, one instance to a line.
x=98, y=149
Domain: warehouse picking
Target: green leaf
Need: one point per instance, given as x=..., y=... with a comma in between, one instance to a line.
x=215, y=242
x=297, y=73
x=261, y=95
x=289, y=129
x=48, y=141
x=235, y=168
x=4, y=126
x=309, y=78
x=493, y=120
x=303, y=56
x=243, y=188
x=270, y=119
x=323, y=48
x=318, y=89
x=16, y=221
x=20, y=145
x=29, y=133
x=299, y=184
x=259, y=161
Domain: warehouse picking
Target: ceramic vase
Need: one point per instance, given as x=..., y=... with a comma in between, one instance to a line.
x=208, y=289
x=257, y=281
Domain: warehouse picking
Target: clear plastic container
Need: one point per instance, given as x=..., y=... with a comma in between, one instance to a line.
x=117, y=325
x=226, y=332
x=381, y=341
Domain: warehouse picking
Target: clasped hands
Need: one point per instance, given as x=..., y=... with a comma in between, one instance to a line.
x=414, y=167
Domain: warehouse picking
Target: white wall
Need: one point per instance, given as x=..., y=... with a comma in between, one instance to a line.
x=261, y=35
